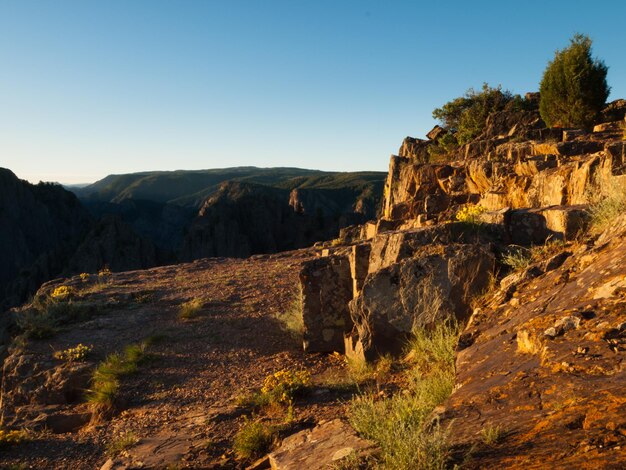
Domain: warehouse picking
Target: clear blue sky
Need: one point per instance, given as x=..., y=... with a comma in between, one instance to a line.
x=91, y=88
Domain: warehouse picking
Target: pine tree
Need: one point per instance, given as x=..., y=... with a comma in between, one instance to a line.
x=573, y=89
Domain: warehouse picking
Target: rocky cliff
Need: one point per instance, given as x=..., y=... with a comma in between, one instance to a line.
x=495, y=235
x=40, y=227
x=46, y=232
x=242, y=219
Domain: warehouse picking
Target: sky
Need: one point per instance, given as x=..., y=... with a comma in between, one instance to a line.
x=91, y=88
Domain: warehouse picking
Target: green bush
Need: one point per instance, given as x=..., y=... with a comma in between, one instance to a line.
x=253, y=439
x=573, y=89
x=467, y=114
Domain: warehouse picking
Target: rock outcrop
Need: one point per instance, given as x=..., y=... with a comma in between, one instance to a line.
x=529, y=184
x=543, y=362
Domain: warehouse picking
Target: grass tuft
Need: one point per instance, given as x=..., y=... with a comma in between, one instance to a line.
x=124, y=441
x=254, y=439
x=400, y=425
x=608, y=202
x=291, y=319
x=106, y=378
x=492, y=435
x=190, y=309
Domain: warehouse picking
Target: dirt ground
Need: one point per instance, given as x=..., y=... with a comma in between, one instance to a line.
x=182, y=402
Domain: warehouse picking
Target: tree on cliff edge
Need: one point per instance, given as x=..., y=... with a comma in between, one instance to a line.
x=573, y=89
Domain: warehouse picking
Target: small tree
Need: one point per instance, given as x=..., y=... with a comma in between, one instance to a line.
x=573, y=89
x=467, y=114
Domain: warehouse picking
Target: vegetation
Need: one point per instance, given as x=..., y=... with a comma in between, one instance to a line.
x=291, y=320
x=399, y=425
x=518, y=258
x=254, y=439
x=76, y=354
x=279, y=388
x=47, y=313
x=190, y=309
x=124, y=441
x=106, y=378
x=284, y=385
x=470, y=214
x=491, y=435
x=573, y=89
x=467, y=115
x=12, y=437
x=445, y=145
x=608, y=202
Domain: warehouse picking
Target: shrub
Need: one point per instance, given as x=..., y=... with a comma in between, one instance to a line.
x=443, y=147
x=467, y=115
x=573, y=89
x=61, y=293
x=253, y=439
x=122, y=442
x=12, y=437
x=492, y=435
x=518, y=258
x=470, y=214
x=78, y=353
x=190, y=309
x=282, y=386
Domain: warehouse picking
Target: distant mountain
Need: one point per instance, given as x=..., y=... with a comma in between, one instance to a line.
x=193, y=187
x=179, y=210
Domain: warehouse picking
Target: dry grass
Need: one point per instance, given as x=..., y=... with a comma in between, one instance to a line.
x=190, y=309
x=124, y=441
x=400, y=424
x=291, y=320
x=608, y=202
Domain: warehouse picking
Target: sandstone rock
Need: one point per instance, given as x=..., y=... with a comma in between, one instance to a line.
x=359, y=266
x=414, y=149
x=327, y=287
x=436, y=132
x=325, y=445
x=614, y=111
x=434, y=285
x=570, y=135
x=534, y=226
x=616, y=126
x=617, y=152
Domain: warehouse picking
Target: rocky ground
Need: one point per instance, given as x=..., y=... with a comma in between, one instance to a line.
x=181, y=403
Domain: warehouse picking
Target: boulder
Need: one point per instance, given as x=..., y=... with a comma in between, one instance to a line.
x=322, y=447
x=327, y=288
x=535, y=226
x=436, y=132
x=436, y=284
x=615, y=126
